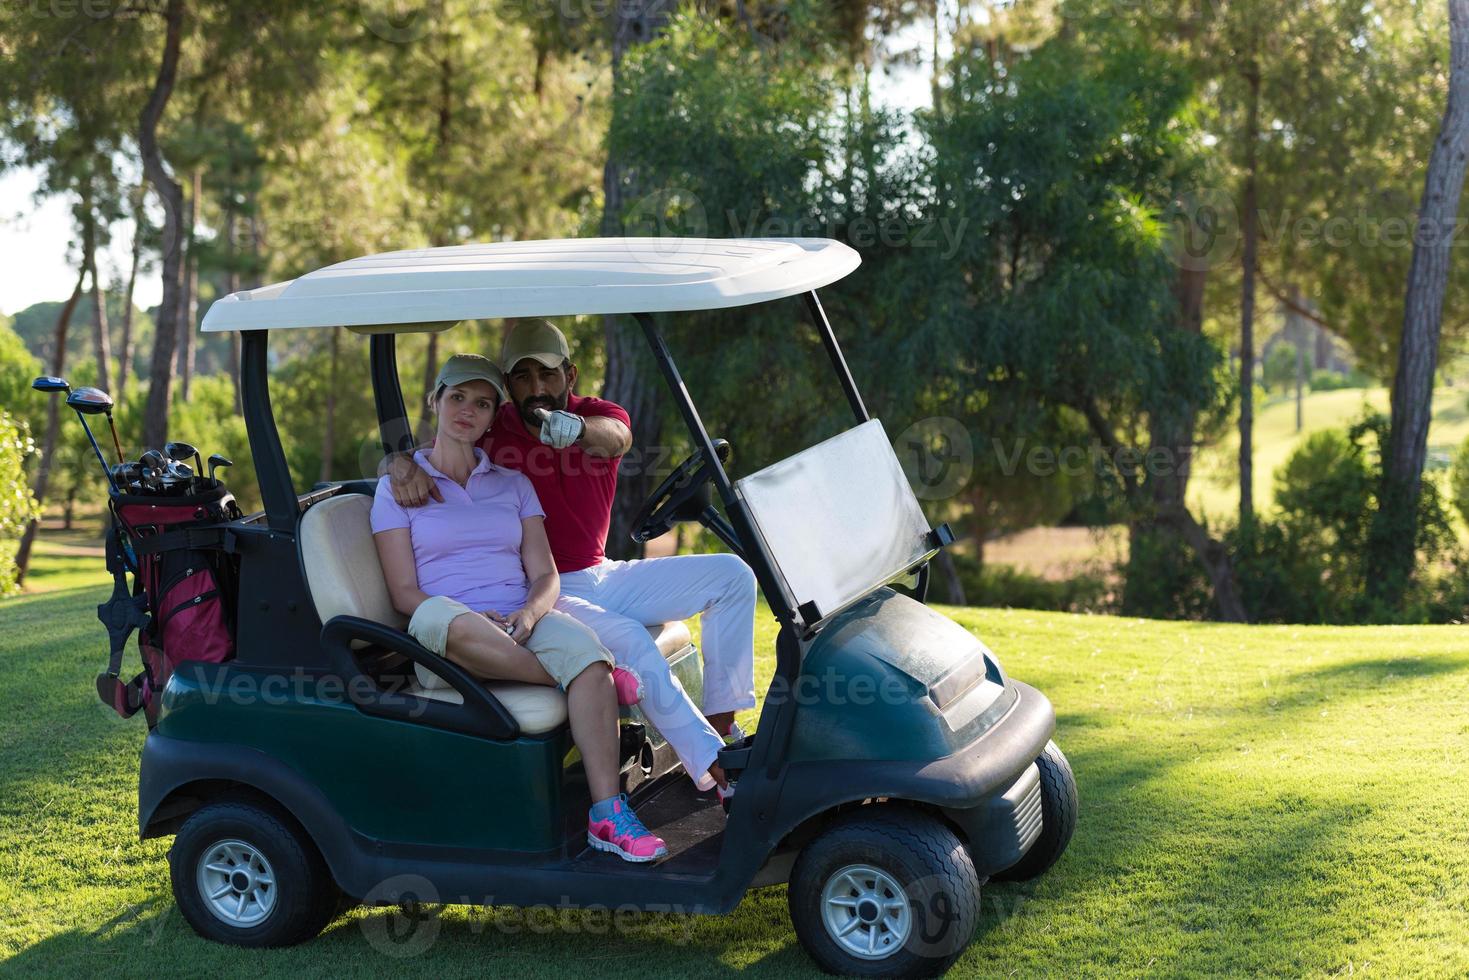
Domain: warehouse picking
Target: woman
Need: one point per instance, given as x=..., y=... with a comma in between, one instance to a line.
x=474, y=574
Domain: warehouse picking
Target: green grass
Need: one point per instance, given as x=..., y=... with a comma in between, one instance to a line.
x=1287, y=801
x=1214, y=489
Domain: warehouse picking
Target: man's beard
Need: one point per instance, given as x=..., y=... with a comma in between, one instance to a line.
x=527, y=408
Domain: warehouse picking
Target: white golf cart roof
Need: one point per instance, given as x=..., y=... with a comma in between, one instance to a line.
x=433, y=288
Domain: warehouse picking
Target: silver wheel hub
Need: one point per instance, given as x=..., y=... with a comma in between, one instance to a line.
x=865, y=912
x=236, y=882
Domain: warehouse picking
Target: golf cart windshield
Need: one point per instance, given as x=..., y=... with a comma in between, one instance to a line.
x=839, y=518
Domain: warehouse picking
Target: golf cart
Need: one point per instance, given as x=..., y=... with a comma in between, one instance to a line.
x=895, y=766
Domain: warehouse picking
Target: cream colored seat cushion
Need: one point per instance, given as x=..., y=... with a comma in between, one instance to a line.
x=539, y=709
x=346, y=579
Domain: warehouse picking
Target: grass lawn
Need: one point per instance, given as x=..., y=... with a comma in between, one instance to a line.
x=1277, y=800
x=1214, y=489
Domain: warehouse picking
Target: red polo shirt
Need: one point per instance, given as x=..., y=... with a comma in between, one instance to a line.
x=575, y=489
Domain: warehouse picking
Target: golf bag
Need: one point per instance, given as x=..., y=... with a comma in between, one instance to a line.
x=184, y=590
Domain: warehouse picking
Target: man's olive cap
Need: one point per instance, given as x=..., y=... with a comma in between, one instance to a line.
x=539, y=339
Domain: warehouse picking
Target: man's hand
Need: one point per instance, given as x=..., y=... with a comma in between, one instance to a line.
x=560, y=429
x=411, y=486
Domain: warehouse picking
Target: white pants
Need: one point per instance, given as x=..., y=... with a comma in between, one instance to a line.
x=617, y=599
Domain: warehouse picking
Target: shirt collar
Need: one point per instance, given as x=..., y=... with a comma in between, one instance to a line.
x=482, y=464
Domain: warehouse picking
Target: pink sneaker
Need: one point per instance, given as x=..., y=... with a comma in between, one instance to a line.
x=629, y=685
x=612, y=826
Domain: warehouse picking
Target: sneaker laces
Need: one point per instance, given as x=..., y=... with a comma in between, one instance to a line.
x=625, y=822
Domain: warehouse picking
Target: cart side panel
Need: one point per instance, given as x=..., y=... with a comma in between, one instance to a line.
x=389, y=780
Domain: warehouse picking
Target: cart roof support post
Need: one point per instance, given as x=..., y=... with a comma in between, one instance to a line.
x=756, y=555
x=834, y=351
x=274, y=476
x=387, y=395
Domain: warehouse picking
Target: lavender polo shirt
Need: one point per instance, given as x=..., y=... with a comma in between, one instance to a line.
x=468, y=547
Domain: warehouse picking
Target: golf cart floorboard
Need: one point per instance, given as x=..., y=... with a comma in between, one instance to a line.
x=691, y=824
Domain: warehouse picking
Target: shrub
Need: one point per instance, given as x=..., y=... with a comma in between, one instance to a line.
x=1163, y=578
x=1331, y=381
x=18, y=506
x=1459, y=481
x=1007, y=586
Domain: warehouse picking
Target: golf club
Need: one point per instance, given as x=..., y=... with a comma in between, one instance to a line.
x=154, y=466
x=85, y=401
x=181, y=451
x=216, y=461
x=94, y=401
x=128, y=475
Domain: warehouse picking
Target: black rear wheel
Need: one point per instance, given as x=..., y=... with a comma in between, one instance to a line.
x=243, y=875
x=890, y=894
x=1058, y=817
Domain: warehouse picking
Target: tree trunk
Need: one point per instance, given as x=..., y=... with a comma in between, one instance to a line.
x=232, y=285
x=430, y=372
x=1297, y=333
x=101, y=342
x=329, y=431
x=1395, y=529
x=1250, y=217
x=189, y=304
x=629, y=379
x=955, y=586
x=125, y=353
x=160, y=382
x=1165, y=505
x=53, y=427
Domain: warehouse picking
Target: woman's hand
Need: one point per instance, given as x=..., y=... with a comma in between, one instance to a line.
x=521, y=623
x=518, y=625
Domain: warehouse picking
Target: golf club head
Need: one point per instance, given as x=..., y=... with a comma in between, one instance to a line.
x=179, y=471
x=216, y=461
x=153, y=465
x=179, y=450
x=89, y=401
x=127, y=475
x=51, y=383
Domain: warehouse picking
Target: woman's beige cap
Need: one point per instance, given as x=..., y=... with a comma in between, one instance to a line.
x=470, y=367
x=540, y=339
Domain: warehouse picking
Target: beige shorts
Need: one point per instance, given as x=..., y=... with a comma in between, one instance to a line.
x=563, y=646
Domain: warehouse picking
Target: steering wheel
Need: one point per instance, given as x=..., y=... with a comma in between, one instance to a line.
x=681, y=497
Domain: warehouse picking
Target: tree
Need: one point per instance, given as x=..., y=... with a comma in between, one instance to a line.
x=1395, y=530
x=160, y=374
x=628, y=380
x=18, y=508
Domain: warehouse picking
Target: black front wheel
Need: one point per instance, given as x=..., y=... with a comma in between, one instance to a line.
x=1058, y=817
x=885, y=894
x=247, y=876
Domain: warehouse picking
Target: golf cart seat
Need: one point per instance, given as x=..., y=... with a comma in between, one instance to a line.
x=346, y=579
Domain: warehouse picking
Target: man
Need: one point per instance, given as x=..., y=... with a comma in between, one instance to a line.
x=570, y=447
